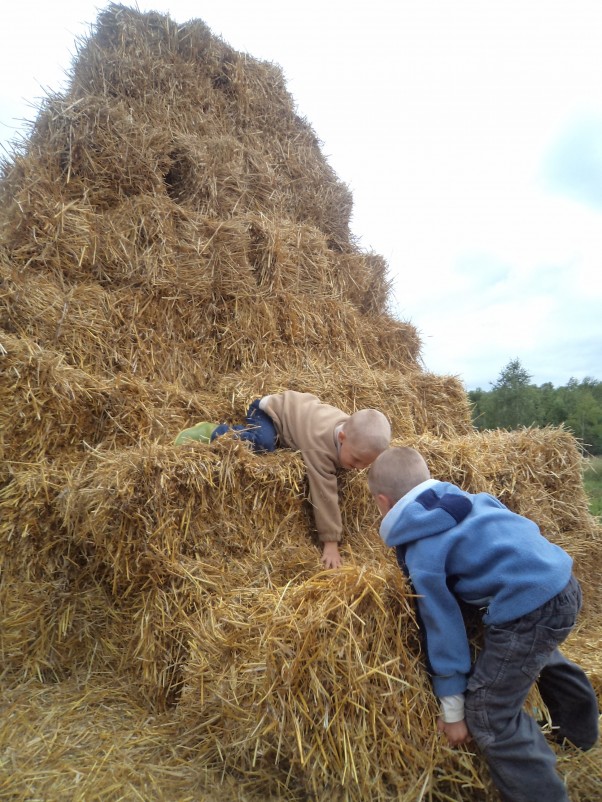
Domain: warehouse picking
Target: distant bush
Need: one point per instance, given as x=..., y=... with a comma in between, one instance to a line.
x=592, y=480
x=513, y=402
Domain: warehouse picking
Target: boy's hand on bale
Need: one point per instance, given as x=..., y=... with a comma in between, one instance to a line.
x=330, y=555
x=456, y=733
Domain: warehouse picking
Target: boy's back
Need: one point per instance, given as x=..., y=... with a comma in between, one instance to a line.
x=492, y=554
x=305, y=423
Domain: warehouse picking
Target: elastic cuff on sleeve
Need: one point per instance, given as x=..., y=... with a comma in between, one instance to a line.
x=452, y=708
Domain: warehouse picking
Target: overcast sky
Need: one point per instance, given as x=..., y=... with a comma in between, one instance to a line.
x=469, y=132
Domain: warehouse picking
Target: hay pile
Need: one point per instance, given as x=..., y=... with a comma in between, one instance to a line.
x=173, y=244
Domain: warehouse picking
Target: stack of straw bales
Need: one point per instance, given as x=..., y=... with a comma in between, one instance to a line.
x=174, y=244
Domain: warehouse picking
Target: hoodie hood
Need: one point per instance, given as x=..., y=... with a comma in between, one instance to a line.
x=422, y=513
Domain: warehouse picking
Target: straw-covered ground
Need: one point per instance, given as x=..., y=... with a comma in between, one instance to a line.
x=173, y=244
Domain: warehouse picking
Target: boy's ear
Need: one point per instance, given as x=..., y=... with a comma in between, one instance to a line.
x=383, y=503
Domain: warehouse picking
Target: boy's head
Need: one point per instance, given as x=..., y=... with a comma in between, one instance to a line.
x=394, y=473
x=363, y=436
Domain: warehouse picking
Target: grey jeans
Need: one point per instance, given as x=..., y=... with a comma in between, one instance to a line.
x=514, y=655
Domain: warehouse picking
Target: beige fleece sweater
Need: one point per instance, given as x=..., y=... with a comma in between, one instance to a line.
x=307, y=425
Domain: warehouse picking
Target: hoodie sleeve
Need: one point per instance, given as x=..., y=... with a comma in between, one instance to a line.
x=323, y=491
x=442, y=625
x=421, y=530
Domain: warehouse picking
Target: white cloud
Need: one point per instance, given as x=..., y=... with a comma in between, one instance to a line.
x=574, y=164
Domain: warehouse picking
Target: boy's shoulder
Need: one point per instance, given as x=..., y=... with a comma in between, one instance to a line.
x=446, y=497
x=437, y=490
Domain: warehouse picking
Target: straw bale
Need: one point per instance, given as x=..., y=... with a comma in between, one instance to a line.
x=43, y=308
x=125, y=332
x=168, y=532
x=313, y=194
x=98, y=220
x=297, y=257
x=144, y=633
x=148, y=236
x=53, y=625
x=225, y=246
x=159, y=338
x=53, y=606
x=155, y=517
x=165, y=334
x=291, y=330
x=137, y=57
x=292, y=256
x=438, y=405
x=221, y=158
x=258, y=99
x=199, y=46
x=585, y=647
x=317, y=689
x=31, y=537
x=160, y=66
x=49, y=409
x=139, y=514
x=125, y=29
x=149, y=642
x=103, y=147
x=533, y=471
x=364, y=279
x=220, y=177
x=152, y=243
x=140, y=508
x=582, y=773
x=52, y=409
x=91, y=738
x=42, y=225
x=149, y=637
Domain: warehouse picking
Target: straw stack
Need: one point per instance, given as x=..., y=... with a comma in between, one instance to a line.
x=173, y=244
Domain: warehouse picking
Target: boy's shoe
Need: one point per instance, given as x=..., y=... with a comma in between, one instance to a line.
x=201, y=432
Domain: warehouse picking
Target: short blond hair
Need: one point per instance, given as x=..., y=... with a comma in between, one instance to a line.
x=368, y=431
x=396, y=471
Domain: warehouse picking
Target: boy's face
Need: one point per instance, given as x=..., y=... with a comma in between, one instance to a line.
x=350, y=458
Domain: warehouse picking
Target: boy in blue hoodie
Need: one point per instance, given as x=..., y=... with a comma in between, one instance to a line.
x=461, y=548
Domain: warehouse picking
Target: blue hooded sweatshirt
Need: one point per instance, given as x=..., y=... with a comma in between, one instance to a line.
x=457, y=545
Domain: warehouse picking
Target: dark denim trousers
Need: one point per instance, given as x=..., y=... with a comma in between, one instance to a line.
x=259, y=430
x=514, y=655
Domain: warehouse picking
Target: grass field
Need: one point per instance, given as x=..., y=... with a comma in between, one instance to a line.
x=592, y=479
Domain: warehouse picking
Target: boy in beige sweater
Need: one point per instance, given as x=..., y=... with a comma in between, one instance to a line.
x=327, y=438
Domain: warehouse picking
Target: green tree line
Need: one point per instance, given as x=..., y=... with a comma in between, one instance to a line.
x=514, y=401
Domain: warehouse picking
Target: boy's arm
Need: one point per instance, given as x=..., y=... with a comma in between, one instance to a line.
x=324, y=497
x=448, y=652
x=446, y=642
